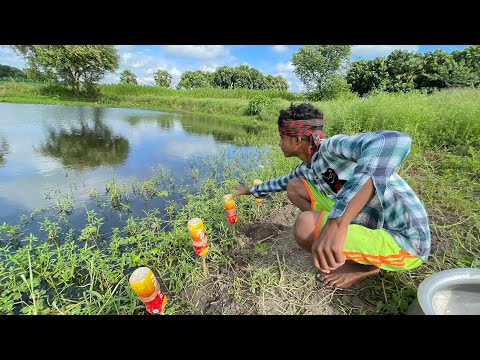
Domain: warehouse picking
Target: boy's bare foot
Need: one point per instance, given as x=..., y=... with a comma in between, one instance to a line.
x=347, y=274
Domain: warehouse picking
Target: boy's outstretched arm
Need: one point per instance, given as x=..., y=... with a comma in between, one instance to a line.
x=240, y=190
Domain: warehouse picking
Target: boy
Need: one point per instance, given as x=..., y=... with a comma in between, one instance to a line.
x=358, y=215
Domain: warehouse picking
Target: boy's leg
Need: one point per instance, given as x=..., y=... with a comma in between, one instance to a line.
x=299, y=195
x=368, y=250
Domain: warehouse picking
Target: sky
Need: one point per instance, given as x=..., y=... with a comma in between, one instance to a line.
x=145, y=60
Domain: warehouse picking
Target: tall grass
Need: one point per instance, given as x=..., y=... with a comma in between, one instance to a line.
x=197, y=93
x=443, y=119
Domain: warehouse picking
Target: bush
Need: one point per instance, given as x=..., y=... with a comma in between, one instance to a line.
x=256, y=105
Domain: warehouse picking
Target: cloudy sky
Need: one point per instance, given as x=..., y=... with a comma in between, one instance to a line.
x=145, y=60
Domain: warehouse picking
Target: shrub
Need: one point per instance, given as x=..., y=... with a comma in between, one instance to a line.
x=256, y=105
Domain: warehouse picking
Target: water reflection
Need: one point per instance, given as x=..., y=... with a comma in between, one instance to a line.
x=4, y=147
x=222, y=131
x=90, y=143
x=76, y=149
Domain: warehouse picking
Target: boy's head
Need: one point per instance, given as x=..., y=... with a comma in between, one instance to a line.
x=303, y=121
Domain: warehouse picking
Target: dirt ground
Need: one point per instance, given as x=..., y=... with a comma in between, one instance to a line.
x=269, y=274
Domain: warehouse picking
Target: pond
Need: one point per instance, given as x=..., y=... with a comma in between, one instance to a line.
x=52, y=154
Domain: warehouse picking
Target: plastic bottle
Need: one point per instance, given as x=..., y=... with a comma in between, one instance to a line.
x=146, y=286
x=229, y=204
x=196, y=230
x=256, y=182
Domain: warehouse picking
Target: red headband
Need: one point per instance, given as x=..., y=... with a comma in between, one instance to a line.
x=310, y=128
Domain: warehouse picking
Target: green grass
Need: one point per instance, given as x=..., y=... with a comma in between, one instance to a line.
x=59, y=274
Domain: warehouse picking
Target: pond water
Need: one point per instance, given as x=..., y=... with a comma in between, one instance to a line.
x=49, y=149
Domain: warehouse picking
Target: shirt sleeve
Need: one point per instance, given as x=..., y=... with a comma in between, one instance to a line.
x=377, y=155
x=275, y=184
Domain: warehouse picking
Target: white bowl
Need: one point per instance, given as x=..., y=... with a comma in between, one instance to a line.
x=448, y=292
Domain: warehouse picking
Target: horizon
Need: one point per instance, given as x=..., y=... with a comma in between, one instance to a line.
x=145, y=60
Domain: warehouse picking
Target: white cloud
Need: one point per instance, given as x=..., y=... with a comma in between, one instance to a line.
x=138, y=64
x=126, y=56
x=369, y=52
x=280, y=48
x=187, y=150
x=146, y=80
x=175, y=72
x=9, y=57
x=196, y=51
x=284, y=67
x=150, y=71
x=286, y=70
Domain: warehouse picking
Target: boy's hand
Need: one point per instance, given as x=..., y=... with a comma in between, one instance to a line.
x=327, y=250
x=240, y=190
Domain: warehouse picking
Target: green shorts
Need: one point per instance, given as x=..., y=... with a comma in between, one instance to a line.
x=363, y=245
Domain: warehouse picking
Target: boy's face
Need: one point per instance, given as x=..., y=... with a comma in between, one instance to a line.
x=289, y=145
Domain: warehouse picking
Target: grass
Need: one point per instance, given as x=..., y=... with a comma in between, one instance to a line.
x=85, y=271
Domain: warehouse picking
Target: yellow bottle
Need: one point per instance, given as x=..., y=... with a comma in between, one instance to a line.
x=146, y=286
x=256, y=182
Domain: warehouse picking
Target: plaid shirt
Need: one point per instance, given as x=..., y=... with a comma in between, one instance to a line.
x=395, y=207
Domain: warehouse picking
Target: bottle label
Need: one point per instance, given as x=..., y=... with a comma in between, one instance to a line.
x=157, y=304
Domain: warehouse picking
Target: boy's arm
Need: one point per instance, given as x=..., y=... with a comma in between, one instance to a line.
x=377, y=154
x=327, y=249
x=269, y=186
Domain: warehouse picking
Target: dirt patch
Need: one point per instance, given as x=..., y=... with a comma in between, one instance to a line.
x=267, y=274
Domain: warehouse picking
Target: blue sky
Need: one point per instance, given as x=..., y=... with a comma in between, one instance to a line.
x=145, y=60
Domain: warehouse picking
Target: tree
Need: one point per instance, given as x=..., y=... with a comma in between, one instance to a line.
x=75, y=64
x=318, y=67
x=436, y=66
x=248, y=78
x=163, y=78
x=9, y=72
x=195, y=79
x=35, y=74
x=128, y=77
x=471, y=59
x=224, y=77
x=403, y=68
x=277, y=82
x=364, y=76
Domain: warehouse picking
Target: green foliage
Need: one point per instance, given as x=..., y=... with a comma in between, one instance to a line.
x=128, y=77
x=246, y=77
x=319, y=67
x=195, y=79
x=75, y=64
x=256, y=105
x=405, y=71
x=163, y=78
x=276, y=83
x=403, y=68
x=11, y=73
x=261, y=248
x=366, y=76
x=57, y=90
x=333, y=88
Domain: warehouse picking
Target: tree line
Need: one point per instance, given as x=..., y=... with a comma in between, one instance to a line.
x=224, y=77
x=405, y=71
x=325, y=70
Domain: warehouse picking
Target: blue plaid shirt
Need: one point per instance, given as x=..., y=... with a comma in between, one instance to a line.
x=395, y=207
